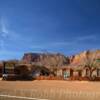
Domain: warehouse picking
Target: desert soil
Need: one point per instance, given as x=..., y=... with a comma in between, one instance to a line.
x=52, y=85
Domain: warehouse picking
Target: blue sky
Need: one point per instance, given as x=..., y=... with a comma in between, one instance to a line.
x=64, y=26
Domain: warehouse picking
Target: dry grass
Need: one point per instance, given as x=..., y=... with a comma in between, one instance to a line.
x=53, y=90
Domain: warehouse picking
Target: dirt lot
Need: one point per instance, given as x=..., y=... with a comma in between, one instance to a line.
x=53, y=90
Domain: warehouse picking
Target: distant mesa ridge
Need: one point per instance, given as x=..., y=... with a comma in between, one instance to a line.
x=51, y=63
x=58, y=60
x=46, y=59
x=51, y=60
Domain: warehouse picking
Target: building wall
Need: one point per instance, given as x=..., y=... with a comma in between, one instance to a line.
x=75, y=73
x=84, y=73
x=59, y=72
x=94, y=73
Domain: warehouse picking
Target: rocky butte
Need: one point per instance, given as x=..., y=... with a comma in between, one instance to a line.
x=83, y=56
x=58, y=60
x=46, y=59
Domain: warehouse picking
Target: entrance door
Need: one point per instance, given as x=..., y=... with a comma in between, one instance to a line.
x=66, y=74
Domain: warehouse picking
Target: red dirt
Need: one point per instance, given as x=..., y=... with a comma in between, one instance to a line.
x=69, y=85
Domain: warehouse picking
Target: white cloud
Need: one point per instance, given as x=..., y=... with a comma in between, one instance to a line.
x=87, y=37
x=4, y=31
x=72, y=42
x=51, y=45
x=60, y=43
x=75, y=41
x=2, y=47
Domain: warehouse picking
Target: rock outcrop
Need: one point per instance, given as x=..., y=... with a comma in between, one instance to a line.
x=46, y=59
x=83, y=56
x=59, y=60
x=34, y=61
